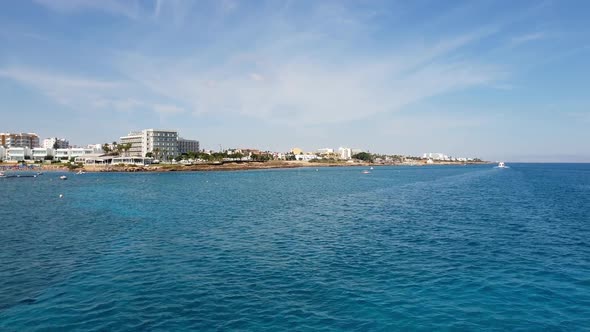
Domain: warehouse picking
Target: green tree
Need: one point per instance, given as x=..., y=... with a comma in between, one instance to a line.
x=106, y=148
x=125, y=148
x=364, y=156
x=149, y=155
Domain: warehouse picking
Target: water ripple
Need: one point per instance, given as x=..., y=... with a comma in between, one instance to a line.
x=448, y=248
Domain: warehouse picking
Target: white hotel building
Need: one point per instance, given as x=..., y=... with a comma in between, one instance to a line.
x=162, y=143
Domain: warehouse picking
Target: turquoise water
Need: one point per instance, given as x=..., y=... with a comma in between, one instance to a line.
x=402, y=248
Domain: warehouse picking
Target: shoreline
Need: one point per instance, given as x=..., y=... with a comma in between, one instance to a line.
x=229, y=166
x=247, y=166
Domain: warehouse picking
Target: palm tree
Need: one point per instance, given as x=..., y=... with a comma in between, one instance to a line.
x=106, y=148
x=125, y=147
x=115, y=147
x=156, y=152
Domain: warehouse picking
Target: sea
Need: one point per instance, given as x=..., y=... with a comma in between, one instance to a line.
x=449, y=248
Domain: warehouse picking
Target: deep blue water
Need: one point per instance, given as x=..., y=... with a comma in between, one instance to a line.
x=402, y=248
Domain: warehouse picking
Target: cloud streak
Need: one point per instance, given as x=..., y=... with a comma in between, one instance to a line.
x=528, y=38
x=86, y=94
x=128, y=8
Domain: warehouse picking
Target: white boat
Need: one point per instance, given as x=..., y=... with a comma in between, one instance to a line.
x=81, y=172
x=502, y=165
x=366, y=172
x=63, y=177
x=371, y=167
x=2, y=175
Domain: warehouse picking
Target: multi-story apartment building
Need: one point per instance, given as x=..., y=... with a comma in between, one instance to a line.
x=345, y=153
x=187, y=145
x=56, y=143
x=163, y=144
x=21, y=140
x=136, y=141
x=2, y=153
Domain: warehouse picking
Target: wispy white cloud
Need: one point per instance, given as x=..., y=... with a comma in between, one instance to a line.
x=87, y=94
x=527, y=38
x=128, y=8
x=300, y=89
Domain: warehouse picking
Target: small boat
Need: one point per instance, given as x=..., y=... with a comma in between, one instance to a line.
x=63, y=177
x=502, y=165
x=371, y=167
x=81, y=172
x=2, y=175
x=366, y=172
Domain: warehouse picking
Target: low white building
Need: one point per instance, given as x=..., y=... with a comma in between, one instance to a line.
x=41, y=153
x=139, y=161
x=18, y=154
x=96, y=148
x=435, y=156
x=66, y=154
x=325, y=151
x=305, y=157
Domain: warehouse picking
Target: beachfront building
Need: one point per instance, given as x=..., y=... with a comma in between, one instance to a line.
x=305, y=157
x=2, y=153
x=18, y=154
x=41, y=153
x=21, y=140
x=135, y=139
x=96, y=148
x=187, y=145
x=139, y=161
x=345, y=153
x=325, y=151
x=435, y=156
x=161, y=144
x=56, y=143
x=67, y=154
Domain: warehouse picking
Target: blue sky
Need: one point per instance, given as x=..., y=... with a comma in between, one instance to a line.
x=503, y=80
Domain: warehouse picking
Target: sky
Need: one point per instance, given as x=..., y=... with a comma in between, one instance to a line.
x=499, y=80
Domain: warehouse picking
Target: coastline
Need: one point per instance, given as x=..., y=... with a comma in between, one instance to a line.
x=230, y=166
x=248, y=166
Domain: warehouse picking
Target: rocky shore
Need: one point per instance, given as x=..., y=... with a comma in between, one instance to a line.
x=244, y=166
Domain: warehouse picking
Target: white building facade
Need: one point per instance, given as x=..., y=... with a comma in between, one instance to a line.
x=163, y=144
x=136, y=141
x=345, y=153
x=435, y=156
x=56, y=143
x=18, y=154
x=66, y=154
x=42, y=153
